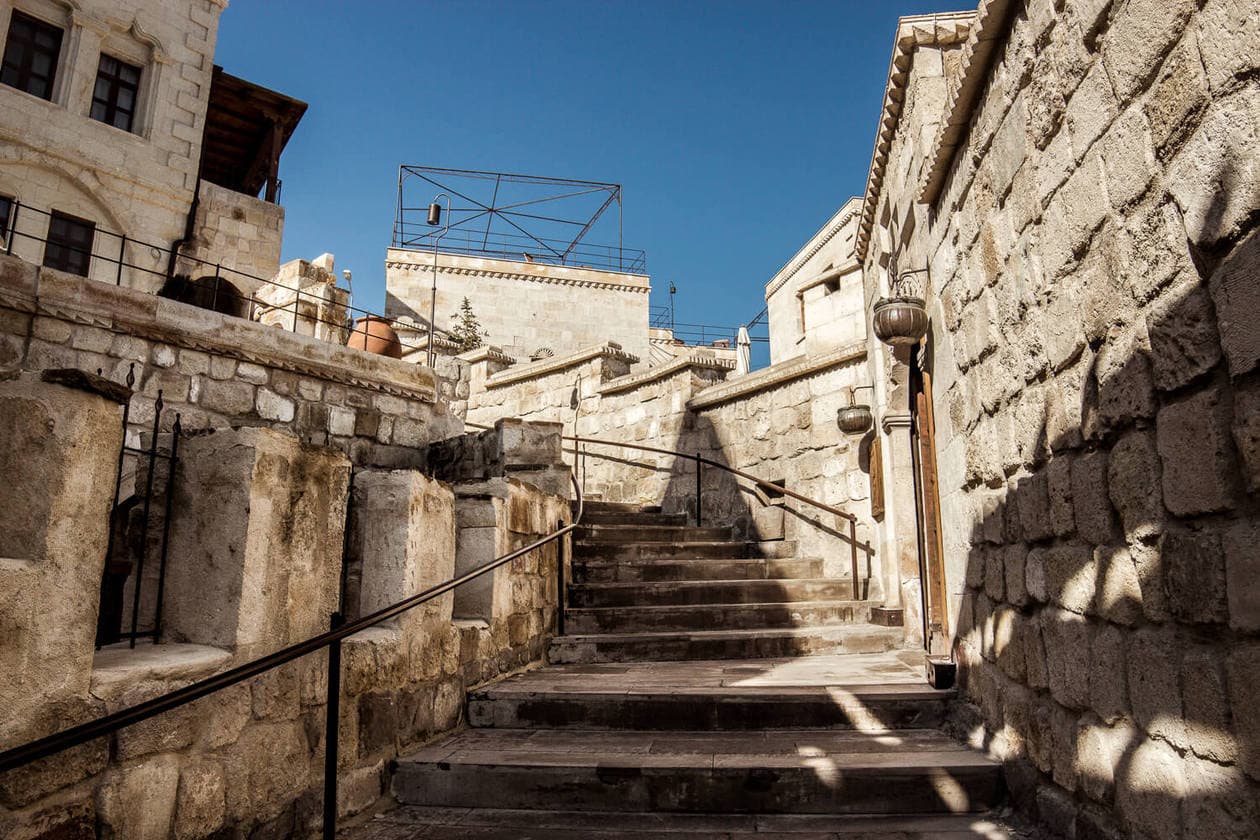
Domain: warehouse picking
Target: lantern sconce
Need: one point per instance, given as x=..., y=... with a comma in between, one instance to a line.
x=901, y=319
x=855, y=419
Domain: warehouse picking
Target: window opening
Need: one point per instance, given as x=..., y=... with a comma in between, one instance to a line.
x=69, y=246
x=30, y=56
x=115, y=94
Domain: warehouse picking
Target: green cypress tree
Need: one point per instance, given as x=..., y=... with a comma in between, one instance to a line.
x=467, y=331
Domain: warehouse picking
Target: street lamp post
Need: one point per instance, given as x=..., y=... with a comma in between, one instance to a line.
x=435, y=219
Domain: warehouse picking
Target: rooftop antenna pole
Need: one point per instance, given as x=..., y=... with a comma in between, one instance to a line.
x=673, y=290
x=435, y=219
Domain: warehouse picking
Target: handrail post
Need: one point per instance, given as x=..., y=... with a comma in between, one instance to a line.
x=332, y=720
x=13, y=217
x=699, y=490
x=560, y=593
x=853, y=550
x=122, y=258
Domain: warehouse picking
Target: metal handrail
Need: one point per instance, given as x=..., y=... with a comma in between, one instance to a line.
x=82, y=733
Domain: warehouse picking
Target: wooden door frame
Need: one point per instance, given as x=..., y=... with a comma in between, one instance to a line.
x=934, y=591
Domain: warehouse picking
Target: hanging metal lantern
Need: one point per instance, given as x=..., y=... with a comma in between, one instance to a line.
x=900, y=321
x=854, y=419
x=435, y=214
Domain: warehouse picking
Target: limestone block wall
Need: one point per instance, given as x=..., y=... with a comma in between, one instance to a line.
x=237, y=234
x=1094, y=262
x=136, y=183
x=260, y=533
x=218, y=371
x=525, y=307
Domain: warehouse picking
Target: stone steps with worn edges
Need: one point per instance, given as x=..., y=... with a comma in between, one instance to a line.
x=742, y=568
x=709, y=592
x=642, y=532
x=736, y=616
x=682, y=550
x=612, y=517
x=722, y=644
x=778, y=771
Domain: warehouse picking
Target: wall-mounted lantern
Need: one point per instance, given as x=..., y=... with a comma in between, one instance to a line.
x=855, y=418
x=901, y=318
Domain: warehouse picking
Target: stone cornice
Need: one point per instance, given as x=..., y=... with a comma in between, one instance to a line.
x=127, y=311
x=993, y=22
x=776, y=375
x=912, y=32
x=487, y=353
x=815, y=244
x=457, y=264
x=635, y=380
x=535, y=370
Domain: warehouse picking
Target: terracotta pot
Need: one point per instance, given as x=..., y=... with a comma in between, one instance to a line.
x=900, y=321
x=854, y=419
x=374, y=334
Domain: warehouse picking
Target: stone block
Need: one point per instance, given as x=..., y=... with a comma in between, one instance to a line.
x=994, y=574
x=1134, y=484
x=1035, y=575
x=1215, y=179
x=138, y=800
x=259, y=534
x=271, y=765
x=1205, y=703
x=1179, y=94
x=199, y=809
x=1071, y=577
x=1194, y=569
x=1014, y=565
x=1242, y=670
x=272, y=406
x=1066, y=637
x=1220, y=804
x=225, y=397
x=1099, y=751
x=378, y=723
x=1150, y=787
x=1123, y=372
x=1246, y=429
x=252, y=373
x=1236, y=295
x=59, y=459
x=1153, y=250
x=1242, y=572
x=1033, y=498
x=1183, y=337
x=1153, y=667
x=1227, y=32
x=1092, y=513
x=1062, y=516
x=1140, y=35
x=1149, y=564
x=1091, y=109
x=1119, y=596
x=1196, y=450
x=1108, y=691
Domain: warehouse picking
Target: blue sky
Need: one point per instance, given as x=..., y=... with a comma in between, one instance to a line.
x=735, y=128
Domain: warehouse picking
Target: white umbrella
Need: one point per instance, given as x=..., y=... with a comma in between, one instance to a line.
x=743, y=351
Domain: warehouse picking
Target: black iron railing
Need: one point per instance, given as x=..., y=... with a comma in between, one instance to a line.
x=339, y=630
x=216, y=289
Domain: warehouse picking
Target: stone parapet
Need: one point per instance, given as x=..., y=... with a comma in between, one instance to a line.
x=698, y=360
x=775, y=376
x=608, y=353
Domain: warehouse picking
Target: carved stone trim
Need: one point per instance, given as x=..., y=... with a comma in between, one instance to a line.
x=776, y=375
x=636, y=380
x=535, y=370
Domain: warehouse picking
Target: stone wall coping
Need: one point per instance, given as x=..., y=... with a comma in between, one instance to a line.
x=536, y=370
x=407, y=260
x=941, y=29
x=487, y=353
x=776, y=375
x=993, y=21
x=118, y=668
x=635, y=380
x=55, y=294
x=815, y=244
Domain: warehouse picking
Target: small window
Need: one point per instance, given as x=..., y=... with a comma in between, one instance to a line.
x=69, y=245
x=30, y=56
x=6, y=213
x=114, y=97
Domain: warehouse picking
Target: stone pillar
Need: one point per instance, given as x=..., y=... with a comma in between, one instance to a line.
x=402, y=540
x=59, y=458
x=901, y=547
x=480, y=511
x=256, y=540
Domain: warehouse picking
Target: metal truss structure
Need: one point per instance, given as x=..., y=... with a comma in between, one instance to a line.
x=525, y=218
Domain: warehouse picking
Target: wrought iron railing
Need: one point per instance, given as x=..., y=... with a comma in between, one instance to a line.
x=111, y=257
x=339, y=630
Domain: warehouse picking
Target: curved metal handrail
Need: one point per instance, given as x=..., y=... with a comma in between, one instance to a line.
x=82, y=733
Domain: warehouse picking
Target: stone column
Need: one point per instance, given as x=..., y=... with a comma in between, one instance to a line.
x=59, y=458
x=901, y=546
x=256, y=540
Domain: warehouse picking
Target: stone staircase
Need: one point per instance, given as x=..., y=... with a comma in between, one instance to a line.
x=647, y=586
x=687, y=707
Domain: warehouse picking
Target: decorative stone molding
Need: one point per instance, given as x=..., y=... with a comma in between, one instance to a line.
x=487, y=353
x=895, y=420
x=993, y=21
x=457, y=264
x=825, y=234
x=556, y=363
x=912, y=32
x=776, y=375
x=636, y=380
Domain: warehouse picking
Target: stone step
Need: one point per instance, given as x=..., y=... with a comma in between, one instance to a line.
x=747, y=568
x=681, y=550
x=706, y=592
x=722, y=644
x=640, y=533
x=600, y=506
x=870, y=708
x=414, y=822
x=798, y=771
x=688, y=617
x=612, y=517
